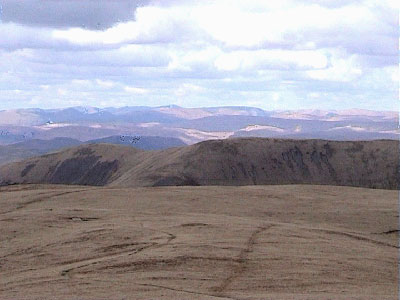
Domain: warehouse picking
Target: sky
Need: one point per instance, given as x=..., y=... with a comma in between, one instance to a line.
x=275, y=55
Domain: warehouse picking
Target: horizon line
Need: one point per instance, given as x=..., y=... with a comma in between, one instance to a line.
x=200, y=107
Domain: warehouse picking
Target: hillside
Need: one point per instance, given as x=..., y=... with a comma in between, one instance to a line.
x=35, y=147
x=246, y=161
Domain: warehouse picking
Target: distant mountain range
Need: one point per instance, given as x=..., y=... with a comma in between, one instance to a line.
x=241, y=161
x=192, y=125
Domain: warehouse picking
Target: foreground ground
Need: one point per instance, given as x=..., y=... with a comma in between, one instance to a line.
x=258, y=242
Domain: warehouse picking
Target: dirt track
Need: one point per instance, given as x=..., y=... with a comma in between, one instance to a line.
x=258, y=242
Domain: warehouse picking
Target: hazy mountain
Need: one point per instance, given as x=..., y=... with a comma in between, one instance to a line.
x=141, y=142
x=35, y=147
x=193, y=125
x=337, y=115
x=223, y=162
x=30, y=148
x=21, y=117
x=196, y=113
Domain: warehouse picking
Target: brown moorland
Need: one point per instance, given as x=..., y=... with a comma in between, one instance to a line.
x=275, y=242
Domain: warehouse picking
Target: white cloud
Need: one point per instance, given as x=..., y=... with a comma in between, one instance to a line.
x=256, y=24
x=153, y=24
x=271, y=59
x=188, y=89
x=314, y=95
x=230, y=51
x=81, y=82
x=62, y=92
x=340, y=70
x=393, y=73
x=105, y=83
x=135, y=90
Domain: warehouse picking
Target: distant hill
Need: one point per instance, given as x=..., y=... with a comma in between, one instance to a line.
x=245, y=161
x=141, y=142
x=35, y=147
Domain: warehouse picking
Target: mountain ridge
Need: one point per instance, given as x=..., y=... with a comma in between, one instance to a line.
x=241, y=161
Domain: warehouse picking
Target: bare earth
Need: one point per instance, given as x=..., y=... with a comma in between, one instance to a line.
x=251, y=242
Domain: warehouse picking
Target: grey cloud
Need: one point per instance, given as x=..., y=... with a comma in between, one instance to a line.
x=334, y=3
x=14, y=36
x=362, y=43
x=91, y=14
x=140, y=57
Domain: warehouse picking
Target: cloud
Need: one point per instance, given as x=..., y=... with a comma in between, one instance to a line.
x=93, y=14
x=15, y=36
x=135, y=90
x=107, y=84
x=152, y=25
x=188, y=89
x=271, y=59
x=254, y=25
x=200, y=52
x=127, y=56
x=340, y=69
